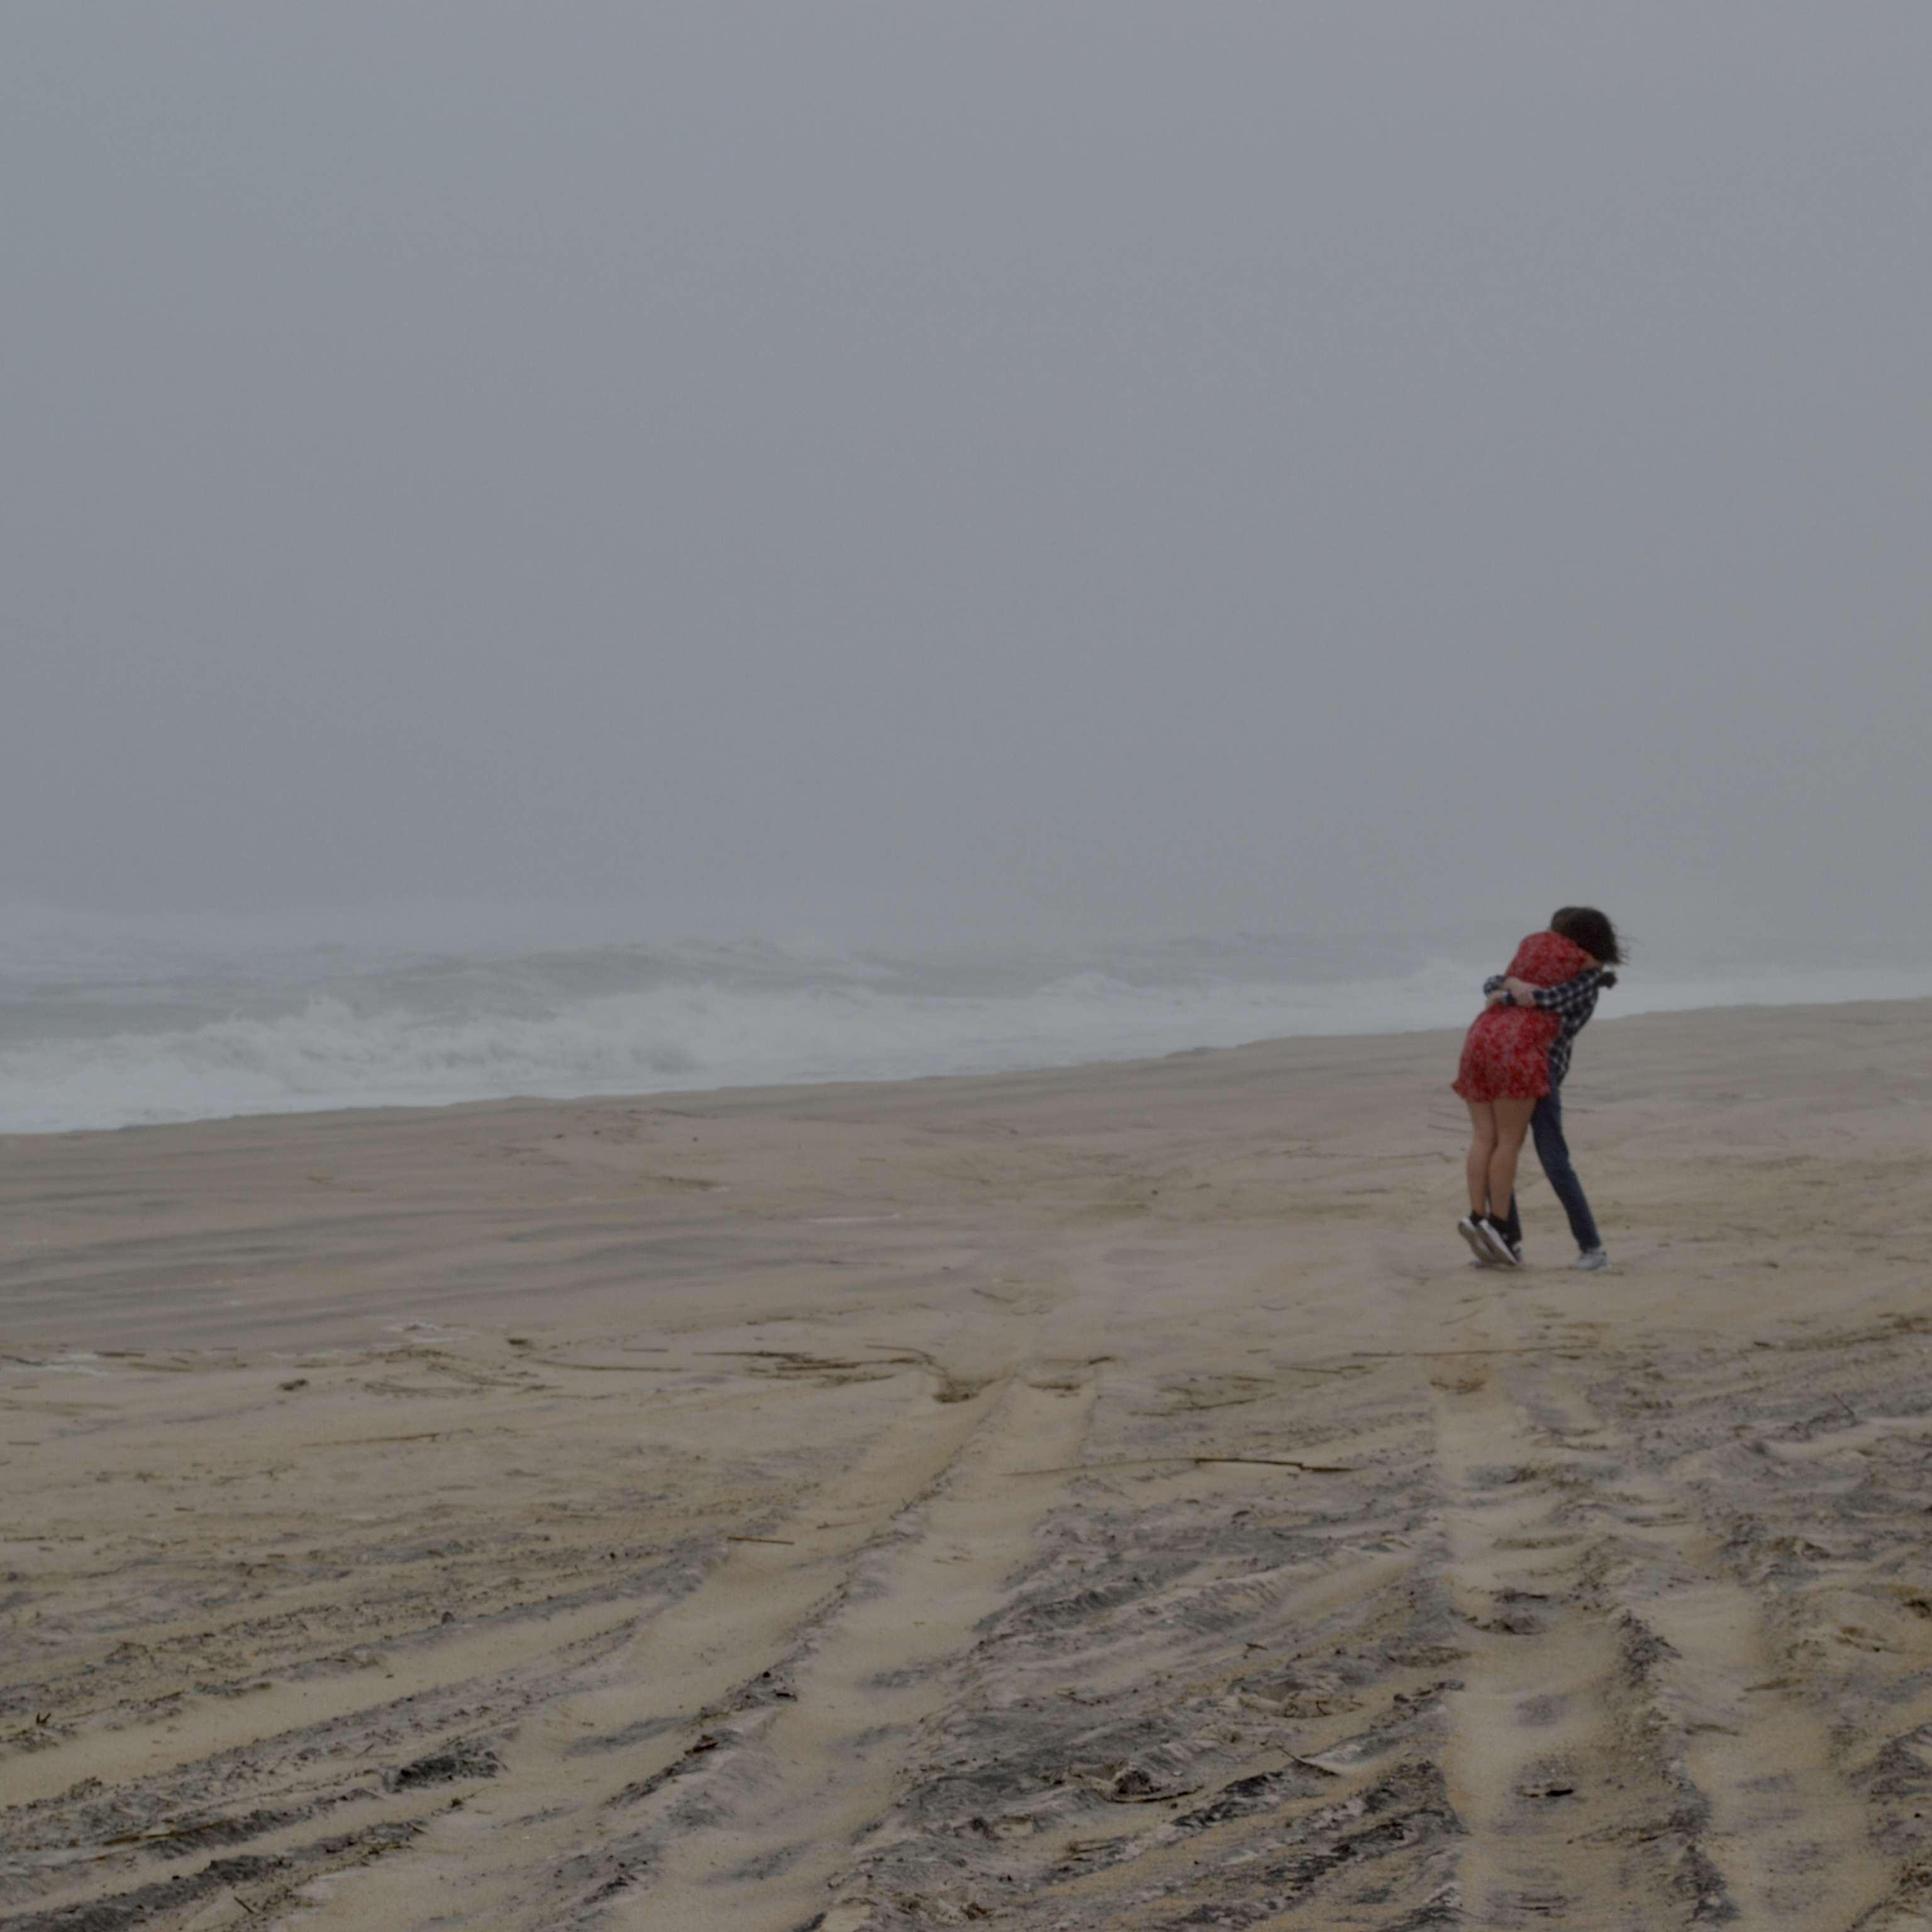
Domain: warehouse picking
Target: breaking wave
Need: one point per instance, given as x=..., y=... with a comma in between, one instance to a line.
x=119, y=1035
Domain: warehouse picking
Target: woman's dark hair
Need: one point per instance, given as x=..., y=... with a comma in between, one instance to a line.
x=1593, y=932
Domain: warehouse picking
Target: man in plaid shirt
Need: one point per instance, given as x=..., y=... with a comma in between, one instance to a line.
x=1572, y=1002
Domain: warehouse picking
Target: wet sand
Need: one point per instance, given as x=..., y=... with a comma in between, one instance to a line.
x=1103, y=1498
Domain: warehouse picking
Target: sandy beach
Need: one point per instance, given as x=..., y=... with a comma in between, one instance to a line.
x=1104, y=1497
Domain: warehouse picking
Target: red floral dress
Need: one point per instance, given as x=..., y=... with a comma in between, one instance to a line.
x=1506, y=1052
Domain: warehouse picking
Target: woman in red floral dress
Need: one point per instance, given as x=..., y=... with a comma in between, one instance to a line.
x=1504, y=1072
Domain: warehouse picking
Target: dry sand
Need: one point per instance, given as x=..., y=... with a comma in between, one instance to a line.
x=1101, y=1498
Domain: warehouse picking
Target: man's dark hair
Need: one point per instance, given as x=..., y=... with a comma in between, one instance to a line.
x=1592, y=930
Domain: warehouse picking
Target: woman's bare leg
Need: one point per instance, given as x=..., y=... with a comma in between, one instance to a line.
x=1512, y=1119
x=1482, y=1150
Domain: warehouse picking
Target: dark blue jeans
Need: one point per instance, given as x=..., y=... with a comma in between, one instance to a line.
x=1545, y=1126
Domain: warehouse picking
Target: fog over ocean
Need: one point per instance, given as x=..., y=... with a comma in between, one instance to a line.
x=894, y=498
x=109, y=1021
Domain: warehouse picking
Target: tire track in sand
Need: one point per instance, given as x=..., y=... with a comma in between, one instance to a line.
x=1534, y=1729
x=786, y=1683
x=827, y=1766
x=1789, y=1838
x=1625, y=1731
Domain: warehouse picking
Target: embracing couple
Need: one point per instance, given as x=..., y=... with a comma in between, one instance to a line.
x=1514, y=1058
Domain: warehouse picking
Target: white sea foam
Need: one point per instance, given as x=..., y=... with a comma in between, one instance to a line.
x=327, y=1054
x=114, y=1027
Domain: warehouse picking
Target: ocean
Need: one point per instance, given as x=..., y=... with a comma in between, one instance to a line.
x=114, y=1022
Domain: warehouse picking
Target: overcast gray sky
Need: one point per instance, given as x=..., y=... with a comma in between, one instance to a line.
x=998, y=467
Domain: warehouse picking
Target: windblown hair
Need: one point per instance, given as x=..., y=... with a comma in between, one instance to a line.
x=1592, y=930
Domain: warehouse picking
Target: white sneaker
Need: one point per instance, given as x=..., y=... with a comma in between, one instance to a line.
x=1471, y=1229
x=1590, y=1260
x=1497, y=1243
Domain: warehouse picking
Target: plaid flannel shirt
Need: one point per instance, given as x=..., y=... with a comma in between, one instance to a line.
x=1572, y=1002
